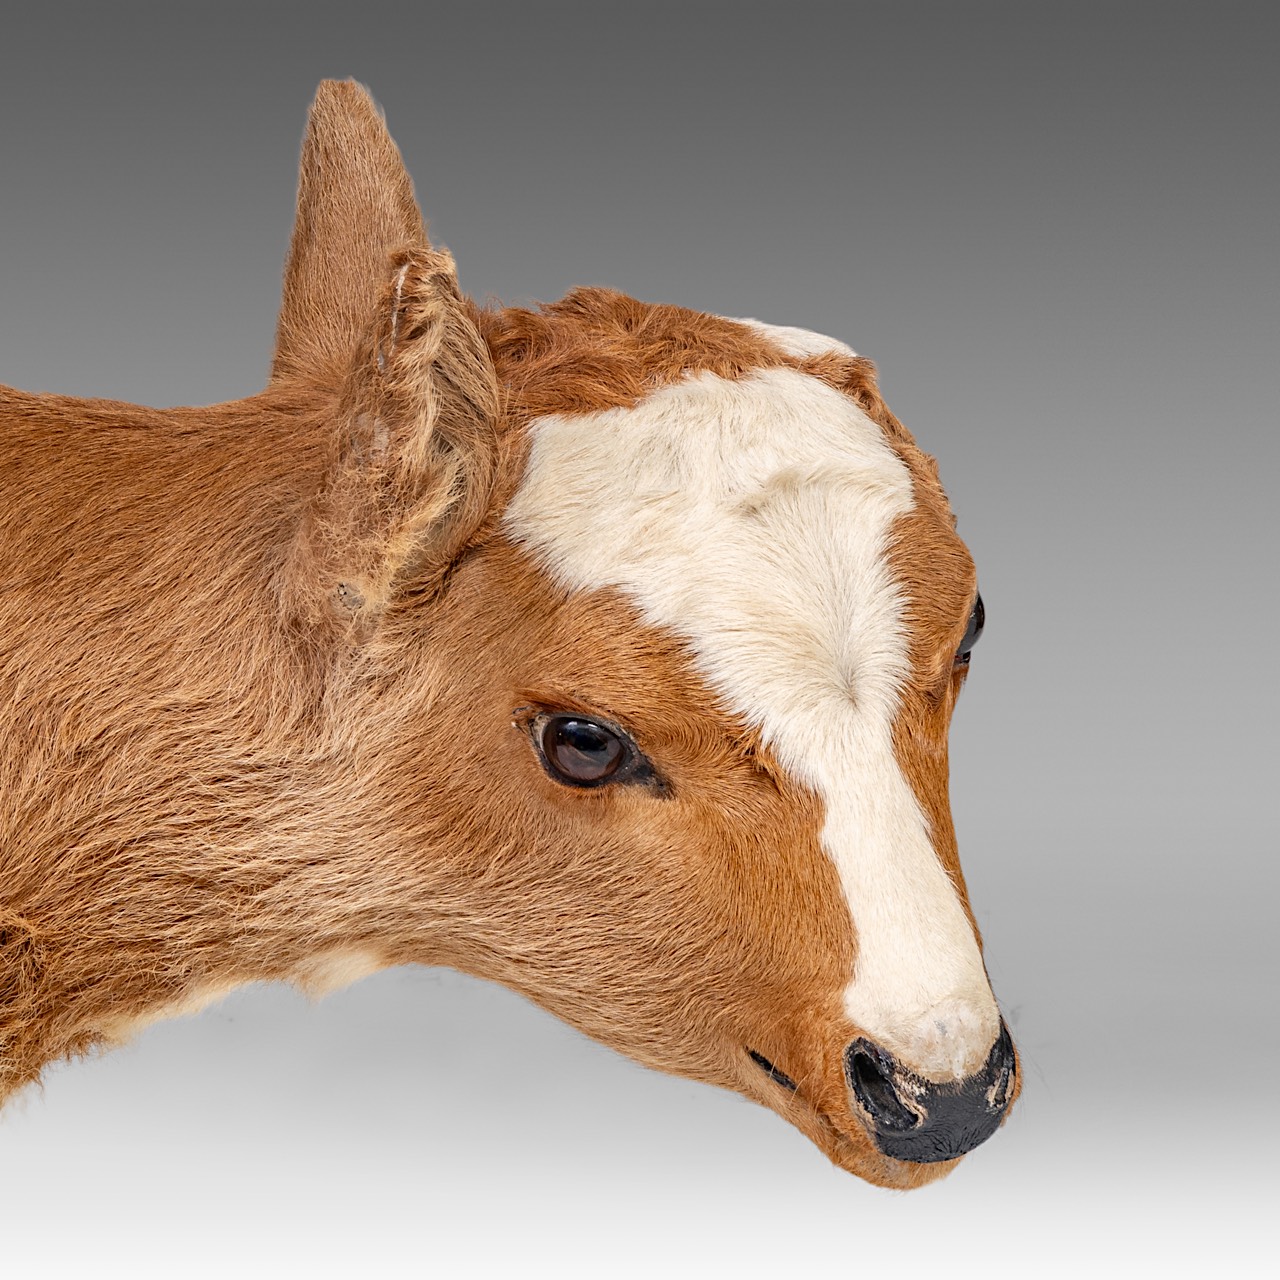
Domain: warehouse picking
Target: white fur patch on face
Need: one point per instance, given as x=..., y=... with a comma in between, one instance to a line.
x=751, y=517
x=796, y=342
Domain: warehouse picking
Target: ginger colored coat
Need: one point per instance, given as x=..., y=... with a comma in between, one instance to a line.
x=280, y=678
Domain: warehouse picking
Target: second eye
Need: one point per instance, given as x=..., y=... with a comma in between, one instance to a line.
x=976, y=621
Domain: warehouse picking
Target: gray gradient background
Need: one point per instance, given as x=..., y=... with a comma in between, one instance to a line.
x=1054, y=229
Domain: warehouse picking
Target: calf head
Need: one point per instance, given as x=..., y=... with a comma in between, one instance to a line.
x=632, y=636
x=679, y=618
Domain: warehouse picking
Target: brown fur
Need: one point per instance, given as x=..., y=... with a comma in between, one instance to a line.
x=265, y=664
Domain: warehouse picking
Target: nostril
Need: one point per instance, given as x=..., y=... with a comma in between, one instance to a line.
x=870, y=1078
x=998, y=1094
x=1001, y=1066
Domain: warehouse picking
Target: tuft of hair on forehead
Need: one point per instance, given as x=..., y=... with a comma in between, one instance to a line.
x=599, y=349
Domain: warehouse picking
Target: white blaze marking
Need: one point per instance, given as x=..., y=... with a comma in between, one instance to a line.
x=751, y=517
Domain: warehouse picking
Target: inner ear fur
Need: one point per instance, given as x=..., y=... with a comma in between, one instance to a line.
x=411, y=470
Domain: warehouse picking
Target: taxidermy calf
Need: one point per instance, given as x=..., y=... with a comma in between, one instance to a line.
x=606, y=650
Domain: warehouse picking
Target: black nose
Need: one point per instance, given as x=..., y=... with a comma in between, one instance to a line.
x=917, y=1120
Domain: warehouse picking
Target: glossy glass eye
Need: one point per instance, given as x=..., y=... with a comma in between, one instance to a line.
x=972, y=632
x=581, y=751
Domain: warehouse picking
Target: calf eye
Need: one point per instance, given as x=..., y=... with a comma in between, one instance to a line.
x=581, y=751
x=974, y=630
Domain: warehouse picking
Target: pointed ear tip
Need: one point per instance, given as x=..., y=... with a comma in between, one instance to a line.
x=343, y=95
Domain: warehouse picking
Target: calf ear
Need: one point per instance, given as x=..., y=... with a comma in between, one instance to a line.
x=355, y=207
x=373, y=314
x=410, y=474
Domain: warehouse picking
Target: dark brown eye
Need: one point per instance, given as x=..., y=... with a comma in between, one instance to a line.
x=581, y=751
x=972, y=632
